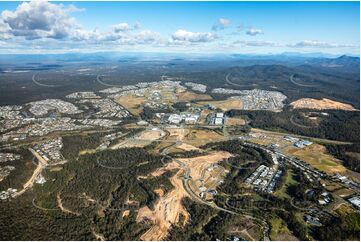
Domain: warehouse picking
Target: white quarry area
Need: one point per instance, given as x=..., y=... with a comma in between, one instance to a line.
x=42, y=107
x=82, y=95
x=196, y=87
x=256, y=99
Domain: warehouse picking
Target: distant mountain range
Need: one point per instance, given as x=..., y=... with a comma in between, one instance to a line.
x=342, y=64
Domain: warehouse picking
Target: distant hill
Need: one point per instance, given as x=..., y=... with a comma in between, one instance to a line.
x=343, y=63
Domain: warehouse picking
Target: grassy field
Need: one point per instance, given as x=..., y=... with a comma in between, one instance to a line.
x=198, y=137
x=235, y=121
x=279, y=230
x=280, y=134
x=189, y=96
x=225, y=105
x=344, y=192
x=318, y=159
x=132, y=103
x=281, y=193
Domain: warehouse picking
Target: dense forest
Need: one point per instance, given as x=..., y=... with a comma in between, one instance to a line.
x=337, y=125
x=96, y=194
x=312, y=81
x=349, y=154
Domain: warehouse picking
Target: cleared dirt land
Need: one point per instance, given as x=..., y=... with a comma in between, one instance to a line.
x=143, y=139
x=169, y=208
x=187, y=147
x=187, y=96
x=235, y=121
x=41, y=165
x=153, y=134
x=177, y=133
x=200, y=137
x=225, y=104
x=132, y=103
x=167, y=211
x=324, y=103
x=200, y=163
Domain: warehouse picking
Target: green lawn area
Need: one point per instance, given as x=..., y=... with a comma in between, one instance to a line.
x=278, y=228
x=281, y=193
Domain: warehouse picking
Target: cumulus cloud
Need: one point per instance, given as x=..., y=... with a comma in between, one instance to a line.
x=4, y=31
x=131, y=38
x=121, y=27
x=221, y=24
x=254, y=31
x=40, y=19
x=319, y=44
x=184, y=36
x=147, y=36
x=137, y=25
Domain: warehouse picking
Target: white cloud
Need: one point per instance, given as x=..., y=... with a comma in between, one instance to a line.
x=221, y=24
x=121, y=27
x=319, y=44
x=137, y=25
x=147, y=36
x=256, y=43
x=86, y=35
x=4, y=31
x=184, y=36
x=40, y=19
x=254, y=31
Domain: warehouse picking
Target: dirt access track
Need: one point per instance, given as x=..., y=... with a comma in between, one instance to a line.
x=324, y=103
x=169, y=208
x=41, y=165
x=166, y=211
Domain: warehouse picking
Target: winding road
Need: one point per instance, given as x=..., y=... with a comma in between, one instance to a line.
x=41, y=84
x=299, y=125
x=106, y=84
x=299, y=84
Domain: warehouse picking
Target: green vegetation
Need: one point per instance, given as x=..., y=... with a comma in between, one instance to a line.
x=73, y=144
x=278, y=228
x=338, y=125
x=82, y=179
x=248, y=158
x=23, y=170
x=343, y=225
x=286, y=181
x=349, y=154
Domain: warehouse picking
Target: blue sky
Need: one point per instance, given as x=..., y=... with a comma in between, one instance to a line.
x=206, y=27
